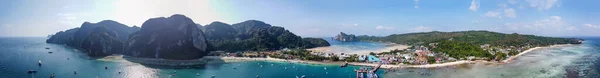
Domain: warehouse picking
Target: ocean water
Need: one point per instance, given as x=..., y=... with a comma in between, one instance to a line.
x=354, y=47
x=18, y=55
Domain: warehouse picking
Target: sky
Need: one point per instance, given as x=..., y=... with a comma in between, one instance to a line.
x=316, y=18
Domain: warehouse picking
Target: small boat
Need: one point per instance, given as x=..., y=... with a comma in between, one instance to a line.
x=68, y=58
x=256, y=76
x=74, y=72
x=285, y=68
x=260, y=65
x=50, y=52
x=197, y=74
x=213, y=76
x=40, y=62
x=52, y=76
x=325, y=68
x=31, y=71
x=344, y=65
x=303, y=76
x=106, y=68
x=47, y=48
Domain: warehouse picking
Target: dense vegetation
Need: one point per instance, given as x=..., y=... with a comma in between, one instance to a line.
x=460, y=49
x=474, y=37
x=96, y=39
x=463, y=44
x=256, y=36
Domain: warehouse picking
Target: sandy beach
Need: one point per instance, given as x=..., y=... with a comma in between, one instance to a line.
x=117, y=58
x=389, y=46
x=237, y=59
x=508, y=60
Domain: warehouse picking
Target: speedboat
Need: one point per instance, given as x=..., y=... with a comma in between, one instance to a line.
x=31, y=71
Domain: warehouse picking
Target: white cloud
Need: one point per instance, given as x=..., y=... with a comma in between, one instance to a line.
x=67, y=19
x=510, y=12
x=550, y=26
x=416, y=4
x=512, y=1
x=476, y=21
x=474, y=5
x=542, y=4
x=350, y=25
x=492, y=14
x=591, y=26
x=421, y=29
x=382, y=27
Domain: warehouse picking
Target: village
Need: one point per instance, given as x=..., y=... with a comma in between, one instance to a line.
x=414, y=55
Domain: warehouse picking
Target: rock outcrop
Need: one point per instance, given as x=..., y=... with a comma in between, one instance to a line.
x=345, y=37
x=176, y=37
x=255, y=35
x=102, y=42
x=96, y=39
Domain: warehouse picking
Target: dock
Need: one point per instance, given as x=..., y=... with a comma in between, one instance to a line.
x=370, y=73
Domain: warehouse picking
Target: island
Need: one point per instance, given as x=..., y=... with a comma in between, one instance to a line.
x=178, y=39
x=427, y=49
x=345, y=37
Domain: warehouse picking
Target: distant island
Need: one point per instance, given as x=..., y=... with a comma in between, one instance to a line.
x=345, y=37
x=178, y=38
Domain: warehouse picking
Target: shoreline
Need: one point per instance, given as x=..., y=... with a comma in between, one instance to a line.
x=508, y=60
x=219, y=59
x=388, y=47
x=395, y=66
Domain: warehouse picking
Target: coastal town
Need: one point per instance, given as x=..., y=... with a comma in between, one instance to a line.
x=414, y=55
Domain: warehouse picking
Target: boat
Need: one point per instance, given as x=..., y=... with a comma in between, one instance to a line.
x=325, y=68
x=74, y=72
x=303, y=76
x=344, y=65
x=50, y=52
x=213, y=76
x=285, y=68
x=256, y=76
x=47, y=48
x=31, y=71
x=106, y=68
x=40, y=62
x=52, y=76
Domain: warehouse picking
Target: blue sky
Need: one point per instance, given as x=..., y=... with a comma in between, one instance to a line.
x=317, y=18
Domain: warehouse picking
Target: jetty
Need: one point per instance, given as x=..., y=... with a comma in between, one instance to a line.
x=370, y=73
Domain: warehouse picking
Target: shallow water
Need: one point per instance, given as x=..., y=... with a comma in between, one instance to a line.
x=354, y=47
x=18, y=55
x=541, y=63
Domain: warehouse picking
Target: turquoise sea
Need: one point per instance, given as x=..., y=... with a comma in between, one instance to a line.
x=18, y=55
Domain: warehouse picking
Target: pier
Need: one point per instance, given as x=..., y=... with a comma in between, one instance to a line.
x=370, y=73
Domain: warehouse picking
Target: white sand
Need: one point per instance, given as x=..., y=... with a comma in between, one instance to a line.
x=389, y=46
x=529, y=50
